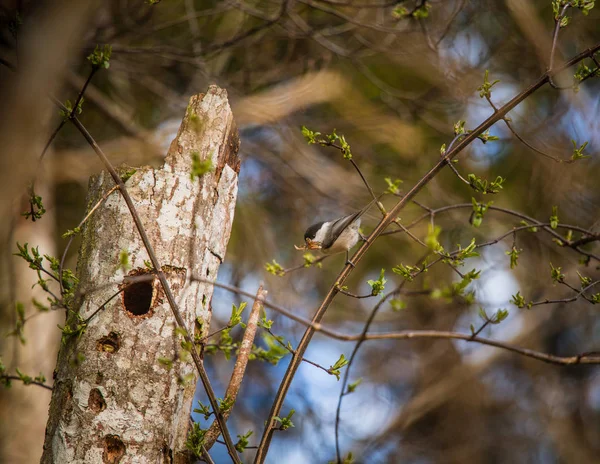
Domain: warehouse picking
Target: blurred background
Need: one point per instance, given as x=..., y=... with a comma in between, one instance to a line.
x=393, y=81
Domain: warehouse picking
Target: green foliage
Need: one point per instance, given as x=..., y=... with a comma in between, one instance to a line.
x=578, y=151
x=519, y=301
x=328, y=140
x=353, y=385
x=458, y=257
x=397, y=305
x=479, y=210
x=377, y=286
x=422, y=11
x=36, y=261
x=242, y=442
x=485, y=89
x=275, y=350
x=152, y=2
x=514, y=256
x=393, y=185
x=200, y=166
x=554, y=218
x=497, y=318
x=459, y=127
x=431, y=239
x=309, y=260
x=585, y=281
x=203, y=409
x=274, y=268
x=73, y=328
x=485, y=137
x=530, y=229
x=265, y=323
x=556, y=274
x=458, y=288
x=595, y=298
x=408, y=272
x=100, y=57
x=36, y=207
x=70, y=112
x=195, y=440
x=225, y=404
x=72, y=232
x=481, y=185
x=19, y=323
x=335, y=369
x=286, y=422
x=400, y=12
x=236, y=315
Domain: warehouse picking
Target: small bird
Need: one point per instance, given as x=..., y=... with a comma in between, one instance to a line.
x=337, y=236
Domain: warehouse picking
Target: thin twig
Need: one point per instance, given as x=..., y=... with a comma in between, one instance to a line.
x=346, y=271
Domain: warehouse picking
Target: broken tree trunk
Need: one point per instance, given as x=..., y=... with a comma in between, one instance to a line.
x=123, y=388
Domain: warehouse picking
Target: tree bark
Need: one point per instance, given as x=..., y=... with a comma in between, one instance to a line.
x=115, y=399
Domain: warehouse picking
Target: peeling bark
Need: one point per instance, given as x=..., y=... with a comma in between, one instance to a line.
x=118, y=403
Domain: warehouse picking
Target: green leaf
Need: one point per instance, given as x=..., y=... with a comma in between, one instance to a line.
x=335, y=369
x=554, y=218
x=274, y=268
x=485, y=89
x=578, y=151
x=393, y=185
x=352, y=386
x=408, y=272
x=242, y=442
x=556, y=274
x=514, y=256
x=397, y=305
x=378, y=286
x=100, y=58
x=286, y=422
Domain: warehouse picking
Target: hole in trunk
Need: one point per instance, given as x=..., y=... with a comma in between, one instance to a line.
x=137, y=298
x=96, y=401
x=114, y=449
x=109, y=343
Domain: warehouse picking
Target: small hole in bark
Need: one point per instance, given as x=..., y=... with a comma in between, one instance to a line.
x=207, y=272
x=114, y=449
x=109, y=343
x=137, y=298
x=96, y=401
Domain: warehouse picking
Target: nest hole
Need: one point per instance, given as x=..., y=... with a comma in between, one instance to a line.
x=96, y=401
x=109, y=343
x=114, y=449
x=137, y=298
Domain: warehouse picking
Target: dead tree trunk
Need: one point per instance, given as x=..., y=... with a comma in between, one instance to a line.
x=123, y=391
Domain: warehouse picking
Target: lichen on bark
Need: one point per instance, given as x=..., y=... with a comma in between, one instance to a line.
x=114, y=398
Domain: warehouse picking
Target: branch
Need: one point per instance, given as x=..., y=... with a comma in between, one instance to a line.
x=450, y=154
x=240, y=365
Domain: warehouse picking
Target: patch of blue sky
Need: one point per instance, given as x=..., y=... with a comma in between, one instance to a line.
x=493, y=291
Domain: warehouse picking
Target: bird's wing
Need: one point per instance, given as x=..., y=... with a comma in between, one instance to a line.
x=339, y=225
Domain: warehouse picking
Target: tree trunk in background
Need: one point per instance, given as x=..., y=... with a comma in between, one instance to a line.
x=113, y=401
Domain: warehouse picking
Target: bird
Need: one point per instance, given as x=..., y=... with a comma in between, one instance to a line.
x=336, y=236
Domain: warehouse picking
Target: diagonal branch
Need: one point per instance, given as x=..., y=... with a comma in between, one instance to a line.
x=450, y=154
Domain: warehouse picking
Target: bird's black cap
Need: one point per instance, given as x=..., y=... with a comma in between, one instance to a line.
x=311, y=232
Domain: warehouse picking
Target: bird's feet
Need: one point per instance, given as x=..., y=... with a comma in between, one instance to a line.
x=350, y=263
